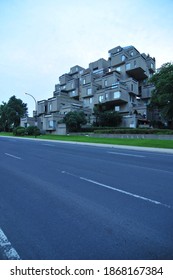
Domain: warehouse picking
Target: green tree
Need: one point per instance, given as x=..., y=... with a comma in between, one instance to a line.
x=110, y=118
x=162, y=95
x=74, y=120
x=11, y=112
x=106, y=118
x=3, y=117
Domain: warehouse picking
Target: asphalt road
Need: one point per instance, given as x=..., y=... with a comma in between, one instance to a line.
x=66, y=201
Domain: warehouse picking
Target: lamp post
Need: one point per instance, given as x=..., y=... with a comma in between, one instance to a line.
x=35, y=115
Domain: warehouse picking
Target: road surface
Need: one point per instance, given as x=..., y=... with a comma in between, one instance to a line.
x=67, y=201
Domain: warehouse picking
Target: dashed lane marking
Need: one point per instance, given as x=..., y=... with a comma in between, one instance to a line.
x=125, y=154
x=119, y=190
x=9, y=155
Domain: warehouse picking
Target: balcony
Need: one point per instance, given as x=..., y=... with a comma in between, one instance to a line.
x=113, y=97
x=136, y=68
x=64, y=79
x=41, y=107
x=146, y=92
x=73, y=93
x=132, y=86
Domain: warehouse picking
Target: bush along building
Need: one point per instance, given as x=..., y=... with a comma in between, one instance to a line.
x=117, y=84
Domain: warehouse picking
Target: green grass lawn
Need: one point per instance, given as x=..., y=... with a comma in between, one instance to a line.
x=114, y=141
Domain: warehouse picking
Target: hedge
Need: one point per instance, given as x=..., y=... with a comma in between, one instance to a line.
x=134, y=131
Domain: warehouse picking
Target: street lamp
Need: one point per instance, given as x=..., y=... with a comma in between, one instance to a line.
x=35, y=114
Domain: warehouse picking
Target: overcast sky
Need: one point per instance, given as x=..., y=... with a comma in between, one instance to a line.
x=41, y=39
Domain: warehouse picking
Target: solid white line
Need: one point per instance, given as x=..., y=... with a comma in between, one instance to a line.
x=12, y=156
x=125, y=154
x=118, y=190
x=8, y=251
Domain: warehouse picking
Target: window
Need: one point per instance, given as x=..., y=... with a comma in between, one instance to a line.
x=116, y=94
x=117, y=108
x=123, y=57
x=90, y=100
x=115, y=85
x=89, y=91
x=51, y=124
x=118, y=69
x=84, y=81
x=131, y=53
x=131, y=87
x=127, y=66
x=106, y=83
x=50, y=107
x=135, y=63
x=106, y=96
x=152, y=66
x=72, y=93
x=101, y=98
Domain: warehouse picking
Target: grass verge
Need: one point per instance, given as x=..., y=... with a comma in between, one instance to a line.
x=154, y=143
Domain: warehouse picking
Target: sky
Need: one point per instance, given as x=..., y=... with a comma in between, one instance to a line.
x=42, y=39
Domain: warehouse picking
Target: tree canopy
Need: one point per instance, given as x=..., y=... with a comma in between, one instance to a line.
x=107, y=118
x=74, y=120
x=11, y=112
x=162, y=95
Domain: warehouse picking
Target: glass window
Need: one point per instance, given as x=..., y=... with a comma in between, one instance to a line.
x=105, y=83
x=89, y=91
x=117, y=108
x=116, y=94
x=128, y=66
x=123, y=57
x=118, y=69
x=51, y=124
x=101, y=98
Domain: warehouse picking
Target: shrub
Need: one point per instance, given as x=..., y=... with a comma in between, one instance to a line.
x=33, y=130
x=19, y=131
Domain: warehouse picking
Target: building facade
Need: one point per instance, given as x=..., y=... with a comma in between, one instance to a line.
x=119, y=83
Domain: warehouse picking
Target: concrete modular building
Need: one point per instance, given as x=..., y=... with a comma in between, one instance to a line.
x=119, y=83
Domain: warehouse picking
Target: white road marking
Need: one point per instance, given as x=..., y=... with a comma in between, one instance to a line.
x=12, y=156
x=6, y=248
x=50, y=145
x=118, y=190
x=125, y=154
